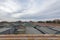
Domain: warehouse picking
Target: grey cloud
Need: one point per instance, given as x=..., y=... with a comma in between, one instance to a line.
x=52, y=11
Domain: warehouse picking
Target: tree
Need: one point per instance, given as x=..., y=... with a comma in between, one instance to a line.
x=40, y=22
x=48, y=21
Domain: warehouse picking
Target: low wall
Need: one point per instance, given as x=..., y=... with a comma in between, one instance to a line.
x=30, y=37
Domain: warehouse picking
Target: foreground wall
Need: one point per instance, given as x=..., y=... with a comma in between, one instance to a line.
x=30, y=37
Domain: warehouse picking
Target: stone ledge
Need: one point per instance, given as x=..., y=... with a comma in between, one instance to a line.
x=29, y=36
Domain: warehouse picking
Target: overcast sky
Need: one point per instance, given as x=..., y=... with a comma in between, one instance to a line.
x=12, y=10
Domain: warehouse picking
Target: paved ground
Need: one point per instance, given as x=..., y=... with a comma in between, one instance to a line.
x=4, y=29
x=42, y=30
x=31, y=30
x=34, y=29
x=46, y=30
